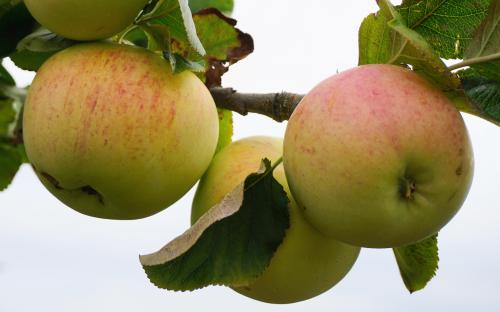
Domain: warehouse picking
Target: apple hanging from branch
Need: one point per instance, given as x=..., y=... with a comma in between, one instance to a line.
x=307, y=263
x=377, y=157
x=114, y=134
x=85, y=20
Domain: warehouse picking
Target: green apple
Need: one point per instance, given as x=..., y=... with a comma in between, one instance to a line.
x=83, y=19
x=377, y=157
x=114, y=134
x=307, y=263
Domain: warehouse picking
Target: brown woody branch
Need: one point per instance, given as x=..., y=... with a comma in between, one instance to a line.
x=278, y=106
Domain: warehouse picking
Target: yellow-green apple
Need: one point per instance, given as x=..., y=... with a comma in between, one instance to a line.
x=377, y=157
x=85, y=20
x=114, y=134
x=307, y=263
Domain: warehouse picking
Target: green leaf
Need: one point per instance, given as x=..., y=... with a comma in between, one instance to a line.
x=158, y=37
x=415, y=51
x=418, y=263
x=232, y=244
x=11, y=151
x=225, y=6
x=218, y=34
x=29, y=60
x=15, y=23
x=7, y=116
x=224, y=43
x=177, y=15
x=385, y=38
x=37, y=47
x=9, y=91
x=374, y=38
x=44, y=40
x=447, y=25
x=180, y=64
x=483, y=92
x=190, y=27
x=137, y=36
x=11, y=158
x=486, y=44
x=5, y=77
x=225, y=128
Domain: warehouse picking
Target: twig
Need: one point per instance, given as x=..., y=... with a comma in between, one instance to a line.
x=278, y=106
x=475, y=60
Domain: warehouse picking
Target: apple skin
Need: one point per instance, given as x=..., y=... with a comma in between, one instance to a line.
x=85, y=20
x=307, y=263
x=377, y=157
x=114, y=134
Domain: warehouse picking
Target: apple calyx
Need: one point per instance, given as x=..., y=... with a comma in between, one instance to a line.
x=407, y=187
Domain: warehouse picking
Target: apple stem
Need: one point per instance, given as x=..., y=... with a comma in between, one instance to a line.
x=277, y=163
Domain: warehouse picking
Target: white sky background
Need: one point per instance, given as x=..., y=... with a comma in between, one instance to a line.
x=54, y=259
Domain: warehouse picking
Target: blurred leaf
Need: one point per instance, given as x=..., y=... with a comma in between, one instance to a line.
x=15, y=23
x=37, y=47
x=486, y=44
x=29, y=60
x=137, y=36
x=158, y=37
x=11, y=150
x=225, y=6
x=180, y=64
x=44, y=40
x=225, y=128
x=9, y=91
x=418, y=263
x=5, y=77
x=447, y=25
x=483, y=92
x=231, y=244
x=11, y=158
x=7, y=116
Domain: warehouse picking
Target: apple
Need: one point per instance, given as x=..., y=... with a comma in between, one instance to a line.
x=377, y=157
x=114, y=134
x=85, y=20
x=307, y=263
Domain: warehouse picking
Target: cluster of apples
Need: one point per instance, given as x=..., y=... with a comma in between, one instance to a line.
x=372, y=157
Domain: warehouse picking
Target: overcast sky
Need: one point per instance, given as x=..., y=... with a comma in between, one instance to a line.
x=54, y=259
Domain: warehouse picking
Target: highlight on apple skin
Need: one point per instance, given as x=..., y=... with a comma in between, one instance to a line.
x=307, y=263
x=377, y=157
x=85, y=20
x=112, y=133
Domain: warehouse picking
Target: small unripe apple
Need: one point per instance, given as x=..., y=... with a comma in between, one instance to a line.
x=307, y=263
x=114, y=134
x=377, y=157
x=84, y=19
